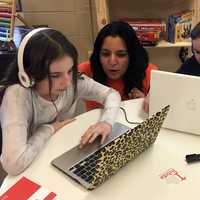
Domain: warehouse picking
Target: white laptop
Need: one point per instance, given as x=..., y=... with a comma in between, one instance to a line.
x=182, y=93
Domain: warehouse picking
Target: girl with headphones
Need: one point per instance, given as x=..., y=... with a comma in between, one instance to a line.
x=42, y=89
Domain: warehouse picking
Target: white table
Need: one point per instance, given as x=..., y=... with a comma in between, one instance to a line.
x=139, y=179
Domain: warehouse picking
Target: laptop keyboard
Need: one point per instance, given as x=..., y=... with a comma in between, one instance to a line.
x=87, y=167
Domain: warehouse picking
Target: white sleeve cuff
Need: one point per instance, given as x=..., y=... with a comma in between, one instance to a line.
x=49, y=127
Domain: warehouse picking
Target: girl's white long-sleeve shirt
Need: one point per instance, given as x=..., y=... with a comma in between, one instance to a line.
x=25, y=118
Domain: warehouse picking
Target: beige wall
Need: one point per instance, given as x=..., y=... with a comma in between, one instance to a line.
x=166, y=58
x=72, y=17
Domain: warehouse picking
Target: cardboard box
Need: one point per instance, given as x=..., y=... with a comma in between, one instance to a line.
x=180, y=26
x=142, y=24
x=148, y=30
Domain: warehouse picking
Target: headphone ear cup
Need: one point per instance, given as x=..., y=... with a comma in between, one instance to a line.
x=24, y=79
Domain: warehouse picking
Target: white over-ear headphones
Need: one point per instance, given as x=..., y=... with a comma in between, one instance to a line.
x=25, y=80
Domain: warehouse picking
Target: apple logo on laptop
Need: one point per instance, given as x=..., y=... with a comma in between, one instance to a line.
x=191, y=105
x=172, y=176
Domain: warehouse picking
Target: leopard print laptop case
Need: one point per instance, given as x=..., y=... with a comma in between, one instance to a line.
x=126, y=147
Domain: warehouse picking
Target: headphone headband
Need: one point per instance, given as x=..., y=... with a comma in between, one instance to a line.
x=23, y=77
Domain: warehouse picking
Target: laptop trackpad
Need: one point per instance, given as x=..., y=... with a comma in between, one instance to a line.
x=76, y=154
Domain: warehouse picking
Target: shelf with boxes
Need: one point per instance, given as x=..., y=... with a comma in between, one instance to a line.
x=166, y=11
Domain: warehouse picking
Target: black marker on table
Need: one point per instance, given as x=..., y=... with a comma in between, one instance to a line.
x=191, y=158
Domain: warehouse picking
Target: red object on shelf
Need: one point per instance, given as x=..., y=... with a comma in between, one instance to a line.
x=141, y=24
x=148, y=38
x=148, y=30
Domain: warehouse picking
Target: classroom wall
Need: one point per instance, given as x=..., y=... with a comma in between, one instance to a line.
x=72, y=17
x=166, y=58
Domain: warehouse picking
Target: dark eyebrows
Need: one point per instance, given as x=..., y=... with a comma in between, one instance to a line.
x=105, y=50
x=54, y=73
x=120, y=50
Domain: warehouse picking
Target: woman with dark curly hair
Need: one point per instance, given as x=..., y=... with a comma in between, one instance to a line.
x=119, y=61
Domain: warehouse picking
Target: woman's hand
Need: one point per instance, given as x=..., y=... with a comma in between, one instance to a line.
x=59, y=124
x=146, y=104
x=99, y=129
x=135, y=93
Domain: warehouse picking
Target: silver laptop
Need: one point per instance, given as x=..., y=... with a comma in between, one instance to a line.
x=181, y=92
x=93, y=164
